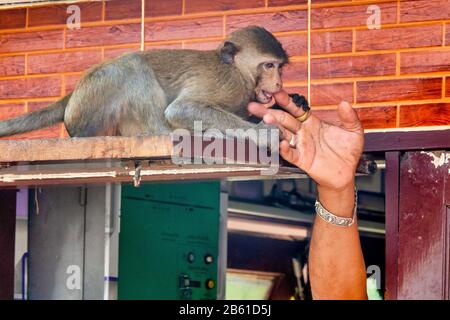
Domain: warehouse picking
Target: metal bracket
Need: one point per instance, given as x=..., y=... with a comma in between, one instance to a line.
x=137, y=173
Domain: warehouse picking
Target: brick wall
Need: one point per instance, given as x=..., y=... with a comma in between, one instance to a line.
x=398, y=76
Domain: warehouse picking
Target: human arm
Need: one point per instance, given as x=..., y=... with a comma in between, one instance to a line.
x=329, y=154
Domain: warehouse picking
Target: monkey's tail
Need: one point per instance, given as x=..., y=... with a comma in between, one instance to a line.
x=35, y=120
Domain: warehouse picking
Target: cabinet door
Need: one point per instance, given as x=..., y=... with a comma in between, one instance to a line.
x=55, y=243
x=7, y=240
x=66, y=233
x=423, y=225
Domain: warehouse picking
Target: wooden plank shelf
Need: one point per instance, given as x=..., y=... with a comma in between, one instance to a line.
x=95, y=148
x=71, y=173
x=115, y=159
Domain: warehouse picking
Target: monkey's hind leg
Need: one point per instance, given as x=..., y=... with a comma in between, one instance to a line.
x=95, y=106
x=89, y=118
x=108, y=100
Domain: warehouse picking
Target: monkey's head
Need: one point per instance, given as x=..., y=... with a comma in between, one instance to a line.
x=259, y=56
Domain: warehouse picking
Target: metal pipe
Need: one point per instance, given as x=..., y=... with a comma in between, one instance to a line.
x=24, y=260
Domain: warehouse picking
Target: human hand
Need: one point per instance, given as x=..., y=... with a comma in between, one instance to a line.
x=329, y=154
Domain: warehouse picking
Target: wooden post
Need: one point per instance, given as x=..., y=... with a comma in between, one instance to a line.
x=423, y=253
x=392, y=179
x=7, y=242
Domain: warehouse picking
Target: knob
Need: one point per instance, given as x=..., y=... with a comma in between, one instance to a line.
x=210, y=284
x=209, y=259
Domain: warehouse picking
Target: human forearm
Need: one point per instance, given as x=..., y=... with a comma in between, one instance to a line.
x=337, y=269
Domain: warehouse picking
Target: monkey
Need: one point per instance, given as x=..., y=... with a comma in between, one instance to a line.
x=158, y=91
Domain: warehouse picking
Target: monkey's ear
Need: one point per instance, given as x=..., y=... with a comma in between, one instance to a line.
x=228, y=51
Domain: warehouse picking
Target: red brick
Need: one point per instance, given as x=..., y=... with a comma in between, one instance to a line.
x=119, y=9
x=447, y=87
x=12, y=65
x=401, y=37
x=327, y=1
x=30, y=41
x=331, y=94
x=353, y=66
x=30, y=87
x=115, y=52
x=57, y=14
x=295, y=71
x=194, y=6
x=273, y=22
x=104, y=35
x=63, y=62
x=447, y=34
x=303, y=90
x=371, y=118
x=274, y=3
x=204, y=45
x=435, y=114
x=71, y=81
x=295, y=45
x=12, y=19
x=349, y=16
x=321, y=43
x=394, y=90
x=378, y=117
x=421, y=10
x=163, y=8
x=331, y=42
x=425, y=61
x=151, y=46
x=50, y=132
x=11, y=110
x=183, y=29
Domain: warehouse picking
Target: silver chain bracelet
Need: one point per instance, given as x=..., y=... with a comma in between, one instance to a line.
x=334, y=219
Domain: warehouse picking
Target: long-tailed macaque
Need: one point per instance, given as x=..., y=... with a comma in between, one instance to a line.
x=157, y=91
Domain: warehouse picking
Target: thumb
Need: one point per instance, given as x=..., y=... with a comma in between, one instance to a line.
x=348, y=117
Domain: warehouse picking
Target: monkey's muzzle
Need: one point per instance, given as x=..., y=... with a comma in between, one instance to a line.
x=264, y=96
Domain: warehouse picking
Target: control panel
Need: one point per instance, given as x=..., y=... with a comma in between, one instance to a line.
x=169, y=241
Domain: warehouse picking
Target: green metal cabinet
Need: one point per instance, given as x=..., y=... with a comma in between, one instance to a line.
x=170, y=239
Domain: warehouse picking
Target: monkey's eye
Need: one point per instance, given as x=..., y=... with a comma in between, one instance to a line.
x=280, y=70
x=269, y=65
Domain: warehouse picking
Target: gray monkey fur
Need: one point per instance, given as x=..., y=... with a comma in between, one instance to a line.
x=157, y=91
